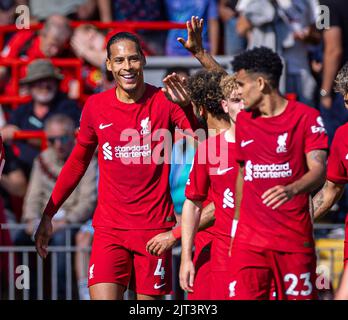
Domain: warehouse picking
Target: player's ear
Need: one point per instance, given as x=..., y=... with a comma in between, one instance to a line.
x=108, y=64
x=224, y=105
x=261, y=83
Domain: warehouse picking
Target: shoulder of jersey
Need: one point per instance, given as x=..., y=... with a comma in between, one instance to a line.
x=300, y=107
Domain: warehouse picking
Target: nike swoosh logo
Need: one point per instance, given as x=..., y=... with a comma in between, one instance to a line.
x=159, y=286
x=245, y=143
x=103, y=126
x=220, y=172
x=347, y=156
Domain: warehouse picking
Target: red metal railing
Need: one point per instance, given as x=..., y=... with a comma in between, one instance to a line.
x=35, y=134
x=129, y=26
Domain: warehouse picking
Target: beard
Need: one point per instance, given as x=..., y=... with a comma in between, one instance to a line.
x=43, y=98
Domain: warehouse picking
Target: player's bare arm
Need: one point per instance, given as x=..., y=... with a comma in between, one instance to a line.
x=191, y=215
x=314, y=178
x=195, y=46
x=326, y=198
x=166, y=240
x=207, y=217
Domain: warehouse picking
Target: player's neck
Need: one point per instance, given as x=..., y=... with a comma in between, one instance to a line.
x=130, y=97
x=215, y=126
x=272, y=105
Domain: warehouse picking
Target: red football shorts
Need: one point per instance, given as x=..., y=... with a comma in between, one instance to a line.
x=220, y=267
x=120, y=256
x=255, y=271
x=201, y=261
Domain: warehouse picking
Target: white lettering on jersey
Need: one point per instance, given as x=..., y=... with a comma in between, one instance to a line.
x=232, y=288
x=266, y=171
x=91, y=272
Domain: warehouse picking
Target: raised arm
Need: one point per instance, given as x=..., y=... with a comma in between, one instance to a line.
x=195, y=46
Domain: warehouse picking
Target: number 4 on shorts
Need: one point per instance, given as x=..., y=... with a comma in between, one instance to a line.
x=159, y=269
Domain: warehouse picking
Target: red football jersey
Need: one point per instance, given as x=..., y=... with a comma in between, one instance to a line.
x=337, y=167
x=273, y=151
x=215, y=168
x=133, y=187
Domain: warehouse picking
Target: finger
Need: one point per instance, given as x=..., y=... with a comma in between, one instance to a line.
x=194, y=23
x=269, y=191
x=280, y=203
x=201, y=24
x=161, y=250
x=273, y=195
x=181, y=40
x=152, y=247
x=156, y=248
x=41, y=247
x=149, y=244
x=192, y=277
x=189, y=29
x=276, y=199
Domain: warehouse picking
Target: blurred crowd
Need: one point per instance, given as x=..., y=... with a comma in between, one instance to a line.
x=312, y=57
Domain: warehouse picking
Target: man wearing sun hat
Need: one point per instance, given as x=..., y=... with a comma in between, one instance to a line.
x=43, y=80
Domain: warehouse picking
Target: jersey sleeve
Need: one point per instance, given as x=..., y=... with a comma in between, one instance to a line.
x=198, y=184
x=239, y=151
x=315, y=132
x=87, y=135
x=336, y=171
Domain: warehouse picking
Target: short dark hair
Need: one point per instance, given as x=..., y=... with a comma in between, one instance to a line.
x=205, y=91
x=124, y=36
x=260, y=60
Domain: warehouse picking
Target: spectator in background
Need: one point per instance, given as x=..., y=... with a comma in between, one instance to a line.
x=90, y=44
x=72, y=9
x=52, y=41
x=335, y=55
x=60, y=132
x=43, y=82
x=233, y=42
x=137, y=10
x=183, y=10
x=287, y=27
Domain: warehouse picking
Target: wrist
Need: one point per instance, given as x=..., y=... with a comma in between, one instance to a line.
x=324, y=93
x=199, y=53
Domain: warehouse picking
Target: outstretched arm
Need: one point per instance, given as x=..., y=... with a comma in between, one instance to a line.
x=67, y=181
x=195, y=46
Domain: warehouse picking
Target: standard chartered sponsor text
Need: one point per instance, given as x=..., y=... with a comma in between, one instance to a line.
x=134, y=151
x=271, y=171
